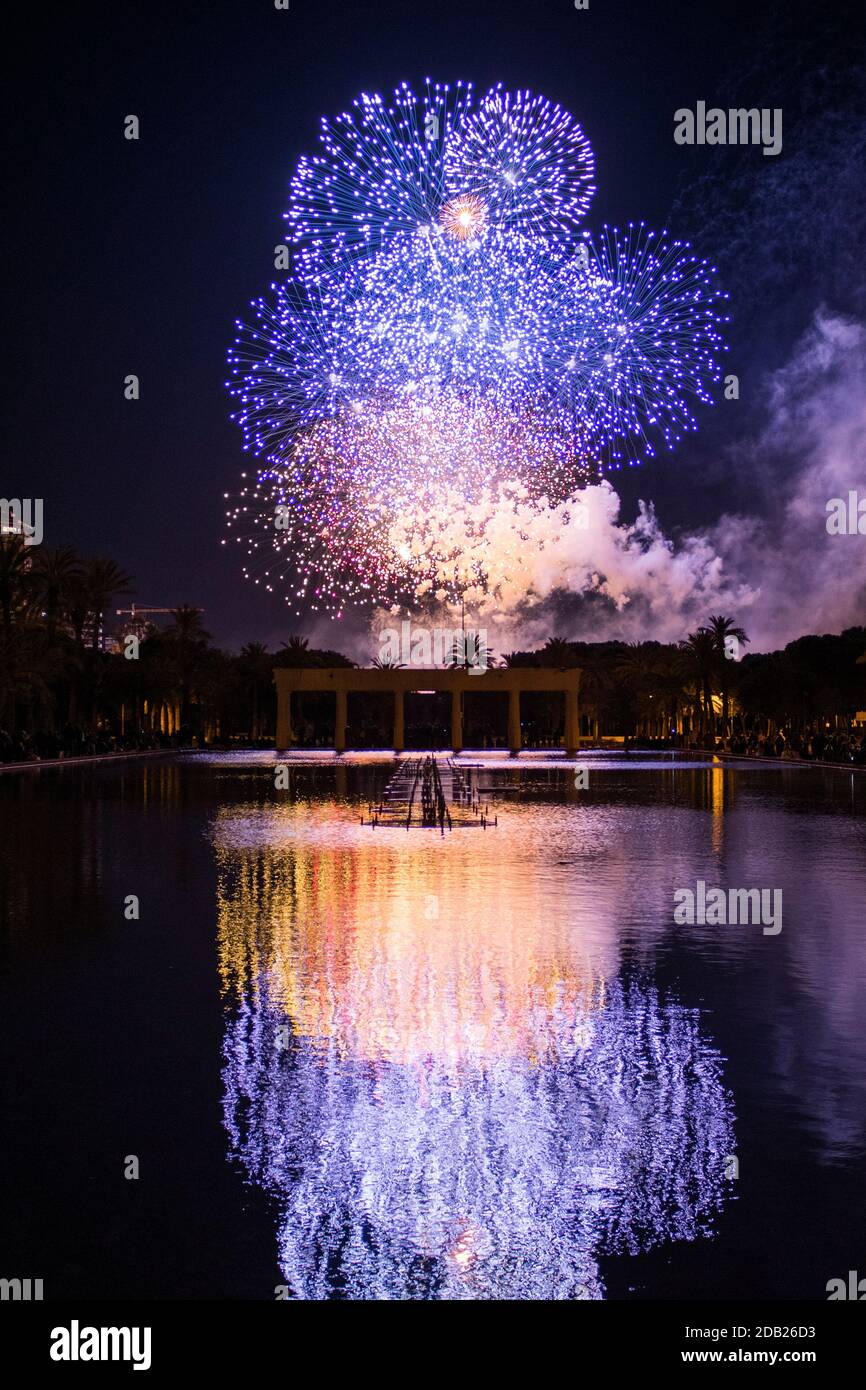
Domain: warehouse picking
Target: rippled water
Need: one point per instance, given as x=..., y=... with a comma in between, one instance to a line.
x=386, y=1064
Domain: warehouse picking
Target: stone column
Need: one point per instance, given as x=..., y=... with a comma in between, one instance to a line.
x=399, y=737
x=572, y=723
x=456, y=722
x=284, y=715
x=514, y=741
x=340, y=723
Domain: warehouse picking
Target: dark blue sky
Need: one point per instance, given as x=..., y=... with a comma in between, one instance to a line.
x=137, y=257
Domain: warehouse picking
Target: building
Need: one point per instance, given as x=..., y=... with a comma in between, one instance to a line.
x=399, y=682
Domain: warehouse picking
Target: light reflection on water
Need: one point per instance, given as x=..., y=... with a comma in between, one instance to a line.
x=433, y=1062
x=501, y=1058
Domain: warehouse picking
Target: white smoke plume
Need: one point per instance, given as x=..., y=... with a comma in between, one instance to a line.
x=812, y=449
x=777, y=571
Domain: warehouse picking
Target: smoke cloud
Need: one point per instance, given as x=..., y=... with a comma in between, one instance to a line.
x=778, y=573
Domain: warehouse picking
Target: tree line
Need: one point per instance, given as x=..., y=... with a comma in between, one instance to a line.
x=62, y=692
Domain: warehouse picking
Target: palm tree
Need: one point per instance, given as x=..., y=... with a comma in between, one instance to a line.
x=189, y=638
x=27, y=670
x=102, y=580
x=296, y=652
x=14, y=571
x=256, y=667
x=638, y=668
x=557, y=652
x=186, y=626
x=701, y=653
x=469, y=650
x=722, y=628
x=386, y=663
x=52, y=576
x=77, y=606
x=595, y=688
x=673, y=672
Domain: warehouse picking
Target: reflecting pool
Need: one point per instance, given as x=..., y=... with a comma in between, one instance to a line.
x=379, y=1063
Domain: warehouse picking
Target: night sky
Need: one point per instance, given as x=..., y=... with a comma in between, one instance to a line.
x=137, y=257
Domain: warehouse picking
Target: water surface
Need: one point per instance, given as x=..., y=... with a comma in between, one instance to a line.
x=368, y=1063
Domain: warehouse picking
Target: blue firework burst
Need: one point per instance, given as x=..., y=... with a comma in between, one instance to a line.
x=381, y=171
x=640, y=338
x=526, y=159
x=449, y=329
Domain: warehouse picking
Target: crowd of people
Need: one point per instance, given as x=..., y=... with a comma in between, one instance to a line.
x=824, y=747
x=73, y=741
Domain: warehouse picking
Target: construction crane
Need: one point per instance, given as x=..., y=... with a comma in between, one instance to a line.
x=140, y=617
x=136, y=609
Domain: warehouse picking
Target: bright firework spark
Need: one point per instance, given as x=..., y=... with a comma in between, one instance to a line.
x=464, y=217
x=448, y=311
x=296, y=363
x=527, y=158
x=428, y=314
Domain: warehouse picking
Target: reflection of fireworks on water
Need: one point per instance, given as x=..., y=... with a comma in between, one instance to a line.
x=474, y=1106
x=506, y=1179
x=439, y=273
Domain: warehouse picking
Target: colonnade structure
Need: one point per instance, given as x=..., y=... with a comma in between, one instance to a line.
x=401, y=681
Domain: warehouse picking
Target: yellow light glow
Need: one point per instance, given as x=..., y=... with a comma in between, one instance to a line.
x=464, y=216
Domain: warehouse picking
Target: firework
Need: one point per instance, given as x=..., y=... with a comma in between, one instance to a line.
x=296, y=362
x=385, y=504
x=448, y=311
x=640, y=337
x=453, y=360
x=525, y=159
x=464, y=217
x=429, y=315
x=381, y=171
